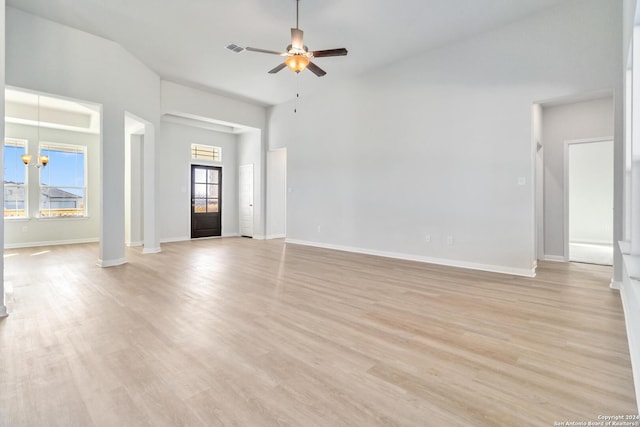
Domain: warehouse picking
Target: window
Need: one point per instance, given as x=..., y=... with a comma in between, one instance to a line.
x=14, y=179
x=62, y=182
x=206, y=152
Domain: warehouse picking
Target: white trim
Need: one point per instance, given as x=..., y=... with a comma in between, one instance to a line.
x=111, y=263
x=616, y=285
x=408, y=257
x=258, y=237
x=186, y=238
x=275, y=236
x=147, y=251
x=62, y=218
x=3, y=311
x=205, y=238
x=50, y=243
x=631, y=306
x=174, y=239
x=554, y=258
x=133, y=244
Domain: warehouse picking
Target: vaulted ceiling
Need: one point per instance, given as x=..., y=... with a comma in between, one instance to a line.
x=184, y=41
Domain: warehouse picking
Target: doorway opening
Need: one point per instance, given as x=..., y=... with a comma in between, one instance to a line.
x=589, y=201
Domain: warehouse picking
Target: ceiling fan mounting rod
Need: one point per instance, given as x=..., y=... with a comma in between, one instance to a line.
x=297, y=12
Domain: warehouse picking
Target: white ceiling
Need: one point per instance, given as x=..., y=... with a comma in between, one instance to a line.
x=184, y=41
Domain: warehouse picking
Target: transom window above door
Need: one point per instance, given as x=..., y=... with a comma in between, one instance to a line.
x=206, y=152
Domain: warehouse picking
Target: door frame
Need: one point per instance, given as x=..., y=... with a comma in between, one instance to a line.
x=192, y=166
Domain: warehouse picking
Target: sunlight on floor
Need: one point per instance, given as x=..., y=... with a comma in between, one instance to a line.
x=591, y=253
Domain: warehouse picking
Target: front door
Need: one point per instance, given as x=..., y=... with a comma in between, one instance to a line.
x=206, y=201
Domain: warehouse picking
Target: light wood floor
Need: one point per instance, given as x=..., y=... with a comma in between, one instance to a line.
x=241, y=332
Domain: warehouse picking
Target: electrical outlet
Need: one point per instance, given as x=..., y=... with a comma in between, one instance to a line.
x=427, y=238
x=449, y=240
x=319, y=229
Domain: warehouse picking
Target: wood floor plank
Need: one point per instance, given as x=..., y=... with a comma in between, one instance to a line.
x=240, y=332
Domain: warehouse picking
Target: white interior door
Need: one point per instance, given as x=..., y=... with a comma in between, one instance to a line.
x=246, y=200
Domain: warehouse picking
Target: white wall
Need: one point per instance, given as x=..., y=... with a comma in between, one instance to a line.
x=48, y=57
x=185, y=101
x=250, y=152
x=276, y=193
x=561, y=123
x=46, y=231
x=3, y=308
x=436, y=145
x=174, y=162
x=536, y=123
x=134, y=189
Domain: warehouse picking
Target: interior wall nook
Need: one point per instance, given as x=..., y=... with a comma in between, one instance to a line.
x=591, y=116
x=36, y=119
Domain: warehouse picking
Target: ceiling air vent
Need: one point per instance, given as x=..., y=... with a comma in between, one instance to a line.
x=234, y=48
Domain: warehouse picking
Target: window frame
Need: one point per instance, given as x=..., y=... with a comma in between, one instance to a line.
x=215, y=157
x=76, y=148
x=25, y=144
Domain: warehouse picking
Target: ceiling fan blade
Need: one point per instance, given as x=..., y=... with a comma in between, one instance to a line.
x=328, y=52
x=272, y=52
x=296, y=38
x=278, y=68
x=315, y=69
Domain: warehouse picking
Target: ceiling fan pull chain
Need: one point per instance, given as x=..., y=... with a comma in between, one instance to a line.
x=295, y=108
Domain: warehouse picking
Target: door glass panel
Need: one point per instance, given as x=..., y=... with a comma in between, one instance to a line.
x=200, y=175
x=212, y=191
x=213, y=176
x=200, y=205
x=200, y=190
x=212, y=205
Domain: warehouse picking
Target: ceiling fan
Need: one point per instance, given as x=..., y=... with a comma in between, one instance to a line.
x=298, y=56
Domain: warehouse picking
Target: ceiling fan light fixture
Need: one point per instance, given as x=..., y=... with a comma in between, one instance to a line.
x=297, y=63
x=298, y=55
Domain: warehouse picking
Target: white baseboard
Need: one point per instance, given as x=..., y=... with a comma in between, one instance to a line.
x=174, y=239
x=152, y=250
x=615, y=284
x=134, y=244
x=259, y=237
x=554, y=258
x=275, y=236
x=185, y=238
x=111, y=263
x=409, y=257
x=49, y=243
